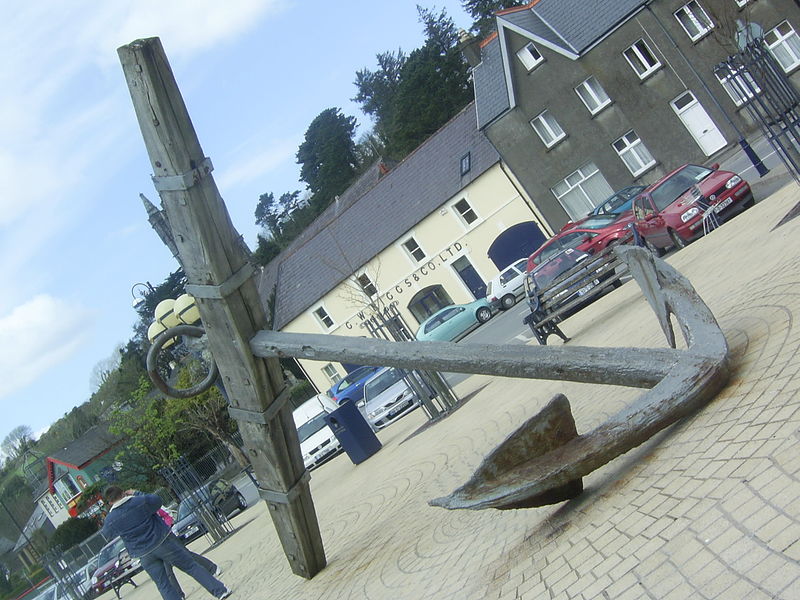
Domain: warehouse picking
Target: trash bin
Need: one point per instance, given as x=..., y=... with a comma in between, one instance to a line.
x=353, y=432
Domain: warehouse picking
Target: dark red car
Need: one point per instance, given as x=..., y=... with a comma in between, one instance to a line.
x=592, y=235
x=678, y=207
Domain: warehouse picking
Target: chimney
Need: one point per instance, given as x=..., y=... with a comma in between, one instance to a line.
x=469, y=46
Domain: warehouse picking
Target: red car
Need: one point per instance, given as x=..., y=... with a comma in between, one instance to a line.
x=592, y=235
x=672, y=211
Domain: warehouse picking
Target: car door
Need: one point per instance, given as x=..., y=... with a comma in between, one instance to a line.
x=650, y=223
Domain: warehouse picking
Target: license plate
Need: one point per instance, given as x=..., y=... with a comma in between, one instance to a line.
x=585, y=289
x=723, y=205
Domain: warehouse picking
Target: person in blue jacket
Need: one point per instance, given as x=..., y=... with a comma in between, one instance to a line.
x=134, y=518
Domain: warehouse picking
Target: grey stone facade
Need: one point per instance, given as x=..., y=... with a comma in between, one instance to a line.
x=578, y=40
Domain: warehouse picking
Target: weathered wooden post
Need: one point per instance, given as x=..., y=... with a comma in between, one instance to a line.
x=220, y=278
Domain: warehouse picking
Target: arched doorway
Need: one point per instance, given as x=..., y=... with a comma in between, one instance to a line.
x=427, y=301
x=518, y=241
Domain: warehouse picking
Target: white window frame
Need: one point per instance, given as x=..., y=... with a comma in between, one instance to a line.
x=410, y=253
x=461, y=214
x=784, y=41
x=741, y=3
x=465, y=164
x=332, y=374
x=697, y=16
x=641, y=66
x=320, y=319
x=634, y=153
x=548, y=129
x=585, y=173
x=530, y=57
x=732, y=87
x=593, y=95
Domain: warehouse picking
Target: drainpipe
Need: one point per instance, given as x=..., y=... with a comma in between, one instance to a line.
x=745, y=145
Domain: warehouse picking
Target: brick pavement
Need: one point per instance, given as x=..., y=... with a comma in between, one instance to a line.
x=707, y=509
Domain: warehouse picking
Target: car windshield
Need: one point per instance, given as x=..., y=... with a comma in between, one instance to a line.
x=599, y=221
x=672, y=188
x=110, y=552
x=381, y=383
x=310, y=427
x=442, y=317
x=544, y=274
x=619, y=202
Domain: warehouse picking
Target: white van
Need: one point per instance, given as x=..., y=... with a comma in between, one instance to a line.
x=504, y=290
x=317, y=441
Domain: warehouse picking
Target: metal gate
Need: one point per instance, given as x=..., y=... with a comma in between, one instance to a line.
x=769, y=97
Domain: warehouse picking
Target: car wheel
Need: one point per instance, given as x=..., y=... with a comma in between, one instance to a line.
x=508, y=301
x=242, y=501
x=677, y=240
x=483, y=314
x=655, y=250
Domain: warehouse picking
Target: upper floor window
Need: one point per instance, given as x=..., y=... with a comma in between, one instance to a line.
x=694, y=20
x=466, y=163
x=465, y=211
x=529, y=56
x=740, y=87
x=323, y=317
x=634, y=153
x=366, y=285
x=593, y=95
x=548, y=129
x=582, y=190
x=784, y=44
x=741, y=3
x=414, y=251
x=642, y=59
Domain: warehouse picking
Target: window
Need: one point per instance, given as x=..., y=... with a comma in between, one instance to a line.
x=465, y=211
x=582, y=190
x=331, y=373
x=414, y=251
x=641, y=59
x=633, y=153
x=784, y=44
x=466, y=163
x=593, y=95
x=529, y=56
x=366, y=285
x=323, y=317
x=548, y=129
x=740, y=88
x=694, y=20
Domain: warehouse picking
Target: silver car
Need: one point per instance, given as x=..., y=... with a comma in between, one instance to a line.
x=387, y=397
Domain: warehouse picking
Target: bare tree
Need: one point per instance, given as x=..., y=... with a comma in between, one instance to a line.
x=17, y=441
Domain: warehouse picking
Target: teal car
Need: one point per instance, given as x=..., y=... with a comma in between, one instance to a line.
x=453, y=322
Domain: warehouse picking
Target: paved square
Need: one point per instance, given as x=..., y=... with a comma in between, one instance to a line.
x=707, y=509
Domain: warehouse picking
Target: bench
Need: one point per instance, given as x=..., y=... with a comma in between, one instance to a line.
x=554, y=303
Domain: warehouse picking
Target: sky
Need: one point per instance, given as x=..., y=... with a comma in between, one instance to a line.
x=74, y=238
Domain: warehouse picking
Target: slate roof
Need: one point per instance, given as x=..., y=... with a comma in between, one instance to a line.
x=573, y=26
x=90, y=445
x=343, y=241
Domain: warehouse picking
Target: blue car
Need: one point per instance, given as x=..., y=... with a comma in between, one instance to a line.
x=453, y=322
x=351, y=386
x=618, y=203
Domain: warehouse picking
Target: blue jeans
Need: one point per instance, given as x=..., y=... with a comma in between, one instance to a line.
x=171, y=551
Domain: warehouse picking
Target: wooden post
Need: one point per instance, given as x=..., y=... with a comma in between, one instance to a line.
x=220, y=278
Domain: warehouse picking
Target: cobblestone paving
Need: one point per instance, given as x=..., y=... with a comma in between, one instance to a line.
x=707, y=509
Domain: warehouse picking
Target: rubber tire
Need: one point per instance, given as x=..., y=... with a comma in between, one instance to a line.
x=242, y=502
x=677, y=241
x=483, y=314
x=659, y=252
x=508, y=301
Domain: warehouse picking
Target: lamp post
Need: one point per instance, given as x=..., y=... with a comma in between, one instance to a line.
x=138, y=295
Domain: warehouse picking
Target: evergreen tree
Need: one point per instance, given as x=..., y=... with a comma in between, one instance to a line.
x=482, y=11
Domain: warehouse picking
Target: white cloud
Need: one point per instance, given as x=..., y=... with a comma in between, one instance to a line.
x=36, y=336
x=255, y=166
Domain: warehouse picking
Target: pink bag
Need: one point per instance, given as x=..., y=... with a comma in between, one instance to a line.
x=165, y=516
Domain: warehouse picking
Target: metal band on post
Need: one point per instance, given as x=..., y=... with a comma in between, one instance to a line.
x=287, y=496
x=183, y=181
x=262, y=417
x=226, y=288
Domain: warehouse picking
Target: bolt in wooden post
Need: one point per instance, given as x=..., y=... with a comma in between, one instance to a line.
x=220, y=278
